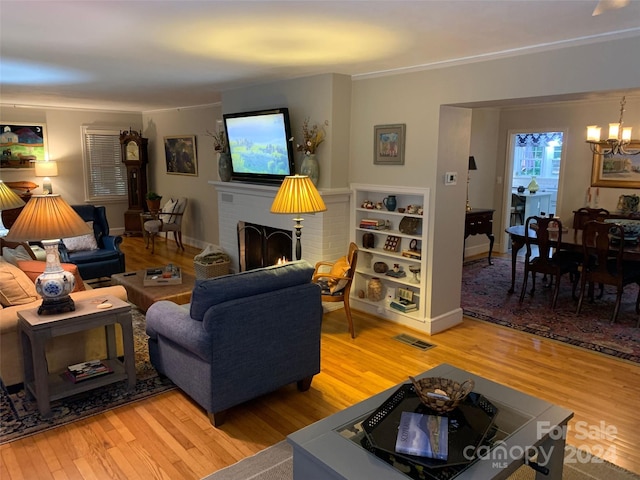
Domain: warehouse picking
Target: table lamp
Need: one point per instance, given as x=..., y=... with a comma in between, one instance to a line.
x=472, y=166
x=46, y=170
x=8, y=200
x=48, y=218
x=298, y=195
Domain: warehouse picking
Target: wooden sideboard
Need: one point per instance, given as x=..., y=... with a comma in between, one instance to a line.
x=479, y=221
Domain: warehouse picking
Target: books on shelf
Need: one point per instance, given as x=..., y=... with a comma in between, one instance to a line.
x=372, y=224
x=417, y=254
x=86, y=370
x=403, y=305
x=423, y=435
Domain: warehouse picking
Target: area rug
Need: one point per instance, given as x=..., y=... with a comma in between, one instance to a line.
x=19, y=415
x=485, y=297
x=276, y=463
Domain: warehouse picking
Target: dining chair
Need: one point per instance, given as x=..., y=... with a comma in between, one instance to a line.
x=335, y=279
x=169, y=219
x=548, y=237
x=586, y=214
x=604, y=263
x=517, y=208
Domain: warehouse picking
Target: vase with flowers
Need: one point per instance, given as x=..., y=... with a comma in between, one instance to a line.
x=224, y=157
x=313, y=136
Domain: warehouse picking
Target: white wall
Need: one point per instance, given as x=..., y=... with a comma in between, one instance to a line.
x=200, y=223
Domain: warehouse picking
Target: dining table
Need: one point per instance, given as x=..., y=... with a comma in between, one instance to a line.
x=571, y=240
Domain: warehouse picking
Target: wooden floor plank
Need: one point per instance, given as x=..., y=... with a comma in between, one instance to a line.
x=596, y=387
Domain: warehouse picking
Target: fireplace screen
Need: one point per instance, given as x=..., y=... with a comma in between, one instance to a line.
x=261, y=246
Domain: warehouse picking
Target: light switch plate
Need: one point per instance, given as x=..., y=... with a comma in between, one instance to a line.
x=451, y=178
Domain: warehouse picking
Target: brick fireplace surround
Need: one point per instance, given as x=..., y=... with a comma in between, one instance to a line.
x=325, y=235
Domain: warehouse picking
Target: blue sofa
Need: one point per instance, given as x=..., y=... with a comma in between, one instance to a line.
x=242, y=336
x=108, y=258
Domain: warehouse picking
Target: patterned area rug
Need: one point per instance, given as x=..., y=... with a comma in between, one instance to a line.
x=19, y=415
x=485, y=297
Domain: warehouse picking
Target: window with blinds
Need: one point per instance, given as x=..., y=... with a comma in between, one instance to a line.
x=106, y=175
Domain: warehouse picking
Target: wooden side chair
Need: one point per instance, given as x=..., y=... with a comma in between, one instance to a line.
x=336, y=278
x=604, y=264
x=547, y=262
x=585, y=214
x=169, y=219
x=518, y=204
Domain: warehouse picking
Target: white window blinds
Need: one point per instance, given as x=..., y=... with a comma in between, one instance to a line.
x=106, y=175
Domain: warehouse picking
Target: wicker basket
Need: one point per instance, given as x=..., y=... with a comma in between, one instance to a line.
x=210, y=270
x=430, y=389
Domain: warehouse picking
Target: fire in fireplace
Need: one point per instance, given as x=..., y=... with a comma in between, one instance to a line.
x=262, y=246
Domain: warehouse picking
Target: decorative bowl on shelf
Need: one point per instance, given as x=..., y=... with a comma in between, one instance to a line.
x=380, y=267
x=441, y=395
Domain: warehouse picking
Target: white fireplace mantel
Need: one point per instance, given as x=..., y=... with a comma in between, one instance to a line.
x=325, y=235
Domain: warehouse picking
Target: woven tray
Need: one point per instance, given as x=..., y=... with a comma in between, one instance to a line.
x=210, y=270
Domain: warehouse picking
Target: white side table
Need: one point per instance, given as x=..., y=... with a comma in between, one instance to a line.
x=34, y=331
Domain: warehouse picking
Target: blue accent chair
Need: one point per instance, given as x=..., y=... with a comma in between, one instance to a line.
x=242, y=336
x=108, y=258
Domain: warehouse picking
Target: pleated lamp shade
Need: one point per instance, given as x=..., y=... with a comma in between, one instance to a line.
x=47, y=217
x=8, y=198
x=298, y=194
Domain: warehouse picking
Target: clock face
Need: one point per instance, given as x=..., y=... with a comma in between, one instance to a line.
x=132, y=151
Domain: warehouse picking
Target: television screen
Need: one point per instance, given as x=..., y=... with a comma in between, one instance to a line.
x=260, y=146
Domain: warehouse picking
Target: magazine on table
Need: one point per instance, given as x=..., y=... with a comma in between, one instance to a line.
x=423, y=435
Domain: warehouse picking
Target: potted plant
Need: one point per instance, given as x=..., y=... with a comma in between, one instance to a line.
x=153, y=201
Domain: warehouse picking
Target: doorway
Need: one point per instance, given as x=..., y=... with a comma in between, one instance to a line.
x=533, y=155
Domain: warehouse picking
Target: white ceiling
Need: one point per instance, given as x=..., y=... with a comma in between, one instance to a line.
x=146, y=55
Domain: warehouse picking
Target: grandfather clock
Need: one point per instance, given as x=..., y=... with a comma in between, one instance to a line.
x=134, y=156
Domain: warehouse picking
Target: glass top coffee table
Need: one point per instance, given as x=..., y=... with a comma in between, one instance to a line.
x=332, y=448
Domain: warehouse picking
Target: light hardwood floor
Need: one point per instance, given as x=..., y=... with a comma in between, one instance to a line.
x=169, y=437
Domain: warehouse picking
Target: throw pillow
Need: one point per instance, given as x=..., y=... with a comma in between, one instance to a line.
x=33, y=269
x=339, y=269
x=168, y=207
x=12, y=255
x=82, y=242
x=15, y=287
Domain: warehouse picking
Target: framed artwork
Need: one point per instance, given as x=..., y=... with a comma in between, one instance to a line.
x=180, y=155
x=616, y=170
x=22, y=144
x=388, y=144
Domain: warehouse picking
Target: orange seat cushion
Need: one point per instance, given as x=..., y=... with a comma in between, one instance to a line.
x=34, y=268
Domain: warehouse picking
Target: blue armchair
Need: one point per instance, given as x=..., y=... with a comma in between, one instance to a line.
x=243, y=336
x=107, y=259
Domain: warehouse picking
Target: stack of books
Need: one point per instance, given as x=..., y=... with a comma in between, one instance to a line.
x=86, y=370
x=403, y=305
x=372, y=224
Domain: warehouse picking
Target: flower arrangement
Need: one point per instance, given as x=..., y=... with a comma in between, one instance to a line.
x=219, y=141
x=313, y=136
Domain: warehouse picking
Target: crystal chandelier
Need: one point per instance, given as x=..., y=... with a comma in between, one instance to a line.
x=619, y=141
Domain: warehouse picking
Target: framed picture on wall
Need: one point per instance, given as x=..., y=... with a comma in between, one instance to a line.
x=22, y=144
x=388, y=144
x=180, y=155
x=616, y=170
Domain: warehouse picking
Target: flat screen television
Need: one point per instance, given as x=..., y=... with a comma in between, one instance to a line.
x=260, y=145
